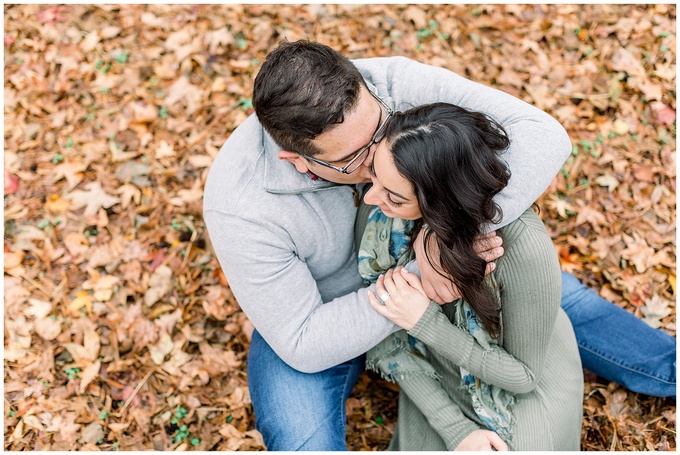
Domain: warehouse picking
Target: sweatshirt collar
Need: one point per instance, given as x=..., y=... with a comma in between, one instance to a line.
x=281, y=177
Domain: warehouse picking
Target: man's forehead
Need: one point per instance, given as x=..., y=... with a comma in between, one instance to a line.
x=345, y=140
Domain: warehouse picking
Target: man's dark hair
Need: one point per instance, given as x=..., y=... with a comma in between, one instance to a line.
x=451, y=156
x=303, y=89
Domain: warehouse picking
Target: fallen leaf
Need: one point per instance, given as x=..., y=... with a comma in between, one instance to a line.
x=217, y=38
x=48, y=329
x=55, y=204
x=83, y=299
x=186, y=196
x=110, y=32
x=654, y=310
x=11, y=183
x=13, y=259
x=129, y=194
x=144, y=113
x=624, y=60
x=620, y=127
x=159, y=285
x=609, y=181
x=164, y=150
x=71, y=171
x=88, y=351
x=51, y=14
x=218, y=360
x=88, y=375
x=118, y=155
x=38, y=308
x=163, y=347
x=33, y=422
x=664, y=114
x=93, y=198
x=66, y=426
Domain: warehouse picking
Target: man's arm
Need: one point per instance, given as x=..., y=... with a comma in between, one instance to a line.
x=539, y=145
x=277, y=292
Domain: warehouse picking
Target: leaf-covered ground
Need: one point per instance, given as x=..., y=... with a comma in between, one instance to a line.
x=120, y=330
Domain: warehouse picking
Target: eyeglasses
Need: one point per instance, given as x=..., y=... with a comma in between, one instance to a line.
x=362, y=154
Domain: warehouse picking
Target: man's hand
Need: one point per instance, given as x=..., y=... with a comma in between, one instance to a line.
x=439, y=288
x=482, y=440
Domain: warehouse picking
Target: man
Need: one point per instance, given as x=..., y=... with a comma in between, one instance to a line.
x=280, y=203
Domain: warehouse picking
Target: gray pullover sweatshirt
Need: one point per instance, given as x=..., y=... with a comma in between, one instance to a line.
x=285, y=242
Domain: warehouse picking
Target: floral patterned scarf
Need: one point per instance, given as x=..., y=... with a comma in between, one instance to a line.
x=384, y=245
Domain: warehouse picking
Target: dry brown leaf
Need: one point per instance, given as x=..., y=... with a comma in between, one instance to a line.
x=159, y=284
x=92, y=90
x=71, y=171
x=66, y=426
x=624, y=60
x=609, y=181
x=654, y=310
x=48, y=328
x=164, y=150
x=13, y=259
x=88, y=375
x=87, y=352
x=92, y=198
x=163, y=347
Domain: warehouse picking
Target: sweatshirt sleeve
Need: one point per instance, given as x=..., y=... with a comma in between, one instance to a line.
x=539, y=145
x=278, y=293
x=529, y=277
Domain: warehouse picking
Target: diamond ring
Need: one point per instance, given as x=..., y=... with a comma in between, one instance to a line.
x=384, y=297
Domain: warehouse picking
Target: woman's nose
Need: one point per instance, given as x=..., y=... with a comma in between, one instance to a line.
x=370, y=197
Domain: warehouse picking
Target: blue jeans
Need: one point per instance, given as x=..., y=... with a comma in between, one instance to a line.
x=301, y=411
x=617, y=345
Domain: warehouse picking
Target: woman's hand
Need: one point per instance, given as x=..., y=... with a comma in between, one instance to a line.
x=403, y=296
x=482, y=440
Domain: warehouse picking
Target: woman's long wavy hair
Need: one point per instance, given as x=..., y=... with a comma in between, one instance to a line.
x=451, y=156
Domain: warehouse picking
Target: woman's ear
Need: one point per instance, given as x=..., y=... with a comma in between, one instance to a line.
x=301, y=164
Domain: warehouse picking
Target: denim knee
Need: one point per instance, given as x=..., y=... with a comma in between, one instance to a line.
x=295, y=410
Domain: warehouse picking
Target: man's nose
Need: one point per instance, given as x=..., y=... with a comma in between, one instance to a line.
x=369, y=159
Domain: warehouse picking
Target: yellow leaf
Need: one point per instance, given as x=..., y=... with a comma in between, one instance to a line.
x=620, y=127
x=83, y=299
x=55, y=204
x=671, y=280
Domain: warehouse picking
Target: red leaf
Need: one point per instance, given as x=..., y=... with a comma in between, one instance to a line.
x=664, y=114
x=11, y=183
x=51, y=14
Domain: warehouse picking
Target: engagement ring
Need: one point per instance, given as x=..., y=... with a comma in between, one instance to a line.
x=384, y=297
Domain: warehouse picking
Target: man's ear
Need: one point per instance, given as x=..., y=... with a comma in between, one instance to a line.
x=296, y=160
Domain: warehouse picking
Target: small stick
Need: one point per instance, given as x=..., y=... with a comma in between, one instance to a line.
x=134, y=393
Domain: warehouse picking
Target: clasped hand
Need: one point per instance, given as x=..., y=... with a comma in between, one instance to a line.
x=403, y=299
x=482, y=440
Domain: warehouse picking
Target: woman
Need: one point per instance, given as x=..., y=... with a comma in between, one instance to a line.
x=499, y=368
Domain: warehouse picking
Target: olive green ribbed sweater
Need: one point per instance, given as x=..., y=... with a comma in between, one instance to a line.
x=538, y=361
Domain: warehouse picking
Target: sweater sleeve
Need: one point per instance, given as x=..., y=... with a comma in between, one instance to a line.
x=529, y=277
x=278, y=293
x=443, y=415
x=539, y=145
